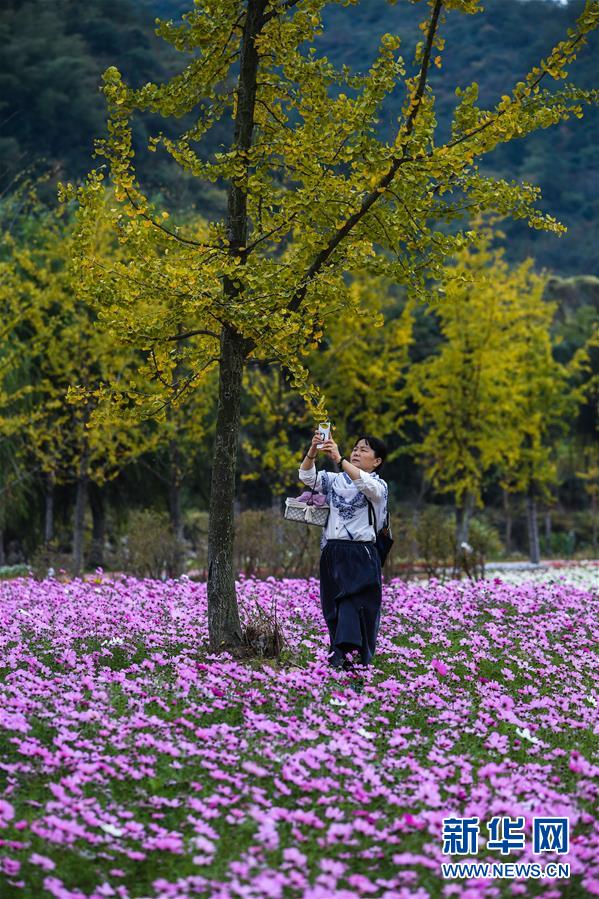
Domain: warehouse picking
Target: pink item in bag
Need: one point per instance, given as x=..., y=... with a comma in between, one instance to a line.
x=312, y=499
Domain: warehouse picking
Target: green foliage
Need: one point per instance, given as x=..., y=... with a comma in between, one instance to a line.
x=50, y=561
x=435, y=538
x=320, y=196
x=493, y=395
x=7, y=572
x=266, y=543
x=53, y=58
x=152, y=549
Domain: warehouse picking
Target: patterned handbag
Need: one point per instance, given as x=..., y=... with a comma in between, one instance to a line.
x=306, y=513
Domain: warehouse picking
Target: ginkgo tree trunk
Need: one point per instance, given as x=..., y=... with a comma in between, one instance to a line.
x=314, y=195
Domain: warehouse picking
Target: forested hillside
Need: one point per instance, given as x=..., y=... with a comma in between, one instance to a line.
x=54, y=51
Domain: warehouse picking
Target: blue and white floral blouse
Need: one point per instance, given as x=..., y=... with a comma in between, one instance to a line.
x=348, y=518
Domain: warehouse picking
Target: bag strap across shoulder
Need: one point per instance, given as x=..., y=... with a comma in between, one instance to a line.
x=372, y=516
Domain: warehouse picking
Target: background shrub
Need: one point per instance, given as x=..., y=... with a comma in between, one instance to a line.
x=150, y=548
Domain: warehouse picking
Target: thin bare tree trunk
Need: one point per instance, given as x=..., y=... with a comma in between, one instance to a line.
x=174, y=490
x=96, y=501
x=463, y=513
x=49, y=509
x=507, y=511
x=79, y=517
x=175, y=480
x=533, y=529
x=2, y=553
x=463, y=516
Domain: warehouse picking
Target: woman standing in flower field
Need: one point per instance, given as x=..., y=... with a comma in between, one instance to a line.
x=350, y=565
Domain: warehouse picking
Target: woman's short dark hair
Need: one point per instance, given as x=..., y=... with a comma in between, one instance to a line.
x=377, y=445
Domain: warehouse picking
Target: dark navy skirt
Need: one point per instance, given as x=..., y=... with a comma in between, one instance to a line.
x=350, y=596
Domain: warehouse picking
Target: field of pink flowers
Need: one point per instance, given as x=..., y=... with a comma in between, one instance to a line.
x=133, y=763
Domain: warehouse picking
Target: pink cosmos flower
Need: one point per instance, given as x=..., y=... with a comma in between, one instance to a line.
x=42, y=861
x=440, y=667
x=7, y=812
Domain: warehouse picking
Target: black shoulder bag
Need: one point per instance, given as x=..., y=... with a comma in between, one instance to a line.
x=384, y=539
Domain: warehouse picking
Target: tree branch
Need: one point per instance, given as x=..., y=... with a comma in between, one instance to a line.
x=323, y=257
x=185, y=240
x=272, y=113
x=284, y=7
x=181, y=336
x=192, y=377
x=491, y=121
x=268, y=234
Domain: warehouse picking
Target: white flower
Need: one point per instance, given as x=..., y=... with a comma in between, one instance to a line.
x=592, y=700
x=368, y=734
x=466, y=547
x=50, y=572
x=526, y=734
x=23, y=612
x=338, y=701
x=111, y=830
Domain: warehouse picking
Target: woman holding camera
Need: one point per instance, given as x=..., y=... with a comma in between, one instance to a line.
x=350, y=566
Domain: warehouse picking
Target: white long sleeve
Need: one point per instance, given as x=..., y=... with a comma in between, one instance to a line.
x=310, y=478
x=372, y=488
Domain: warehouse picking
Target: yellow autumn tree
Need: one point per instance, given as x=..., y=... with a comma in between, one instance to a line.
x=548, y=395
x=361, y=369
x=314, y=195
x=468, y=393
x=53, y=348
x=493, y=398
x=361, y=365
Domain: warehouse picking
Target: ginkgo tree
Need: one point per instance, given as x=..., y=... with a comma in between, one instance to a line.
x=361, y=366
x=468, y=393
x=549, y=395
x=493, y=396
x=314, y=195
x=51, y=341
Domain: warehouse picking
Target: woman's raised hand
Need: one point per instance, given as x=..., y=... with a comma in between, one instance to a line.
x=316, y=440
x=331, y=449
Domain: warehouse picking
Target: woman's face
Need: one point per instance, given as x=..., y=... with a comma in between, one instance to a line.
x=363, y=456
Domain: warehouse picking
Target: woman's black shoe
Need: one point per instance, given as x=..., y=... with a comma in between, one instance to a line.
x=337, y=659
